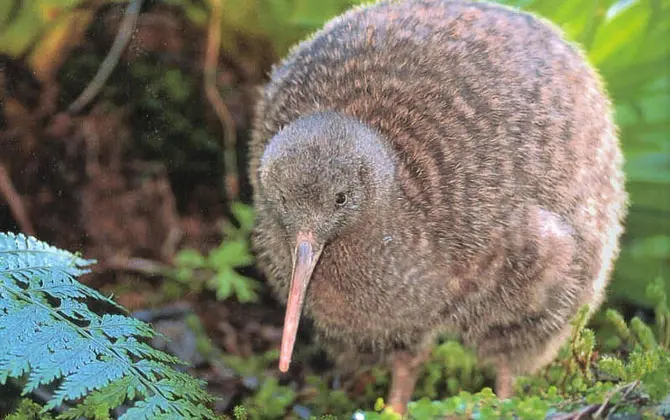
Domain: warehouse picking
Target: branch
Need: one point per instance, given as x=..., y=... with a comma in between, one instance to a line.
x=214, y=97
x=626, y=389
x=126, y=30
x=138, y=265
x=597, y=410
x=15, y=202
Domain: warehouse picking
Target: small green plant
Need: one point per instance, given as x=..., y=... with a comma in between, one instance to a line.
x=649, y=354
x=452, y=368
x=271, y=401
x=579, y=380
x=217, y=270
x=49, y=333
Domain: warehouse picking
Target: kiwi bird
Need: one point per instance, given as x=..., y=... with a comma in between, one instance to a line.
x=421, y=167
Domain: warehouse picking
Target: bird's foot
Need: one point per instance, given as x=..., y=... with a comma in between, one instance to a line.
x=504, y=380
x=405, y=367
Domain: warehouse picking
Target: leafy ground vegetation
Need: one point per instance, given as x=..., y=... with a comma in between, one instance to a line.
x=146, y=175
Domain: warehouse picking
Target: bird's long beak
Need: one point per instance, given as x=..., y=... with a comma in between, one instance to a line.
x=305, y=256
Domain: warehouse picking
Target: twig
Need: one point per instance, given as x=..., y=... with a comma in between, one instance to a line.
x=597, y=410
x=627, y=389
x=120, y=42
x=577, y=415
x=139, y=265
x=214, y=97
x=14, y=201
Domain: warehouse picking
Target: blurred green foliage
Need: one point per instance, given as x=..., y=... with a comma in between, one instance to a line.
x=216, y=271
x=23, y=22
x=281, y=23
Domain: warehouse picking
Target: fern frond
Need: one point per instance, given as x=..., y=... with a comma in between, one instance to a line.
x=49, y=333
x=28, y=410
x=159, y=408
x=98, y=403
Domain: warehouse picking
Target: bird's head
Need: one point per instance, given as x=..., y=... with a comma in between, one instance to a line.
x=321, y=176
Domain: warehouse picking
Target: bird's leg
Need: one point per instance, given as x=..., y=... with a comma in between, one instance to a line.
x=504, y=379
x=405, y=367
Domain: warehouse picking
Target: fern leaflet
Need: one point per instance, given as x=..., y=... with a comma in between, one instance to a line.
x=48, y=333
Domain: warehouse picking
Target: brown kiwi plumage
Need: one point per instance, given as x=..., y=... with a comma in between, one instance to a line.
x=428, y=166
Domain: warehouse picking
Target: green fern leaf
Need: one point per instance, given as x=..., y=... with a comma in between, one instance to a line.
x=98, y=403
x=151, y=408
x=143, y=350
x=49, y=333
x=95, y=375
x=159, y=408
x=28, y=410
x=117, y=326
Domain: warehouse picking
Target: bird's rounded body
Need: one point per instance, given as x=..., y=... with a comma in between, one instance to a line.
x=503, y=193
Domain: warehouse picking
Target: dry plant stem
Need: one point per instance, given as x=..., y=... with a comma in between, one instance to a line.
x=212, y=92
x=597, y=410
x=14, y=201
x=138, y=265
x=627, y=389
x=583, y=413
x=405, y=368
x=120, y=42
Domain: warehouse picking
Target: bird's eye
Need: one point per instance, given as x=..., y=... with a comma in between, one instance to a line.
x=341, y=199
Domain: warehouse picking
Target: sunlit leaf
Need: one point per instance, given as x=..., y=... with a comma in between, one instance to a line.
x=653, y=168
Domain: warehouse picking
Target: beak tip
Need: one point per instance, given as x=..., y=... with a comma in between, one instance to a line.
x=303, y=264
